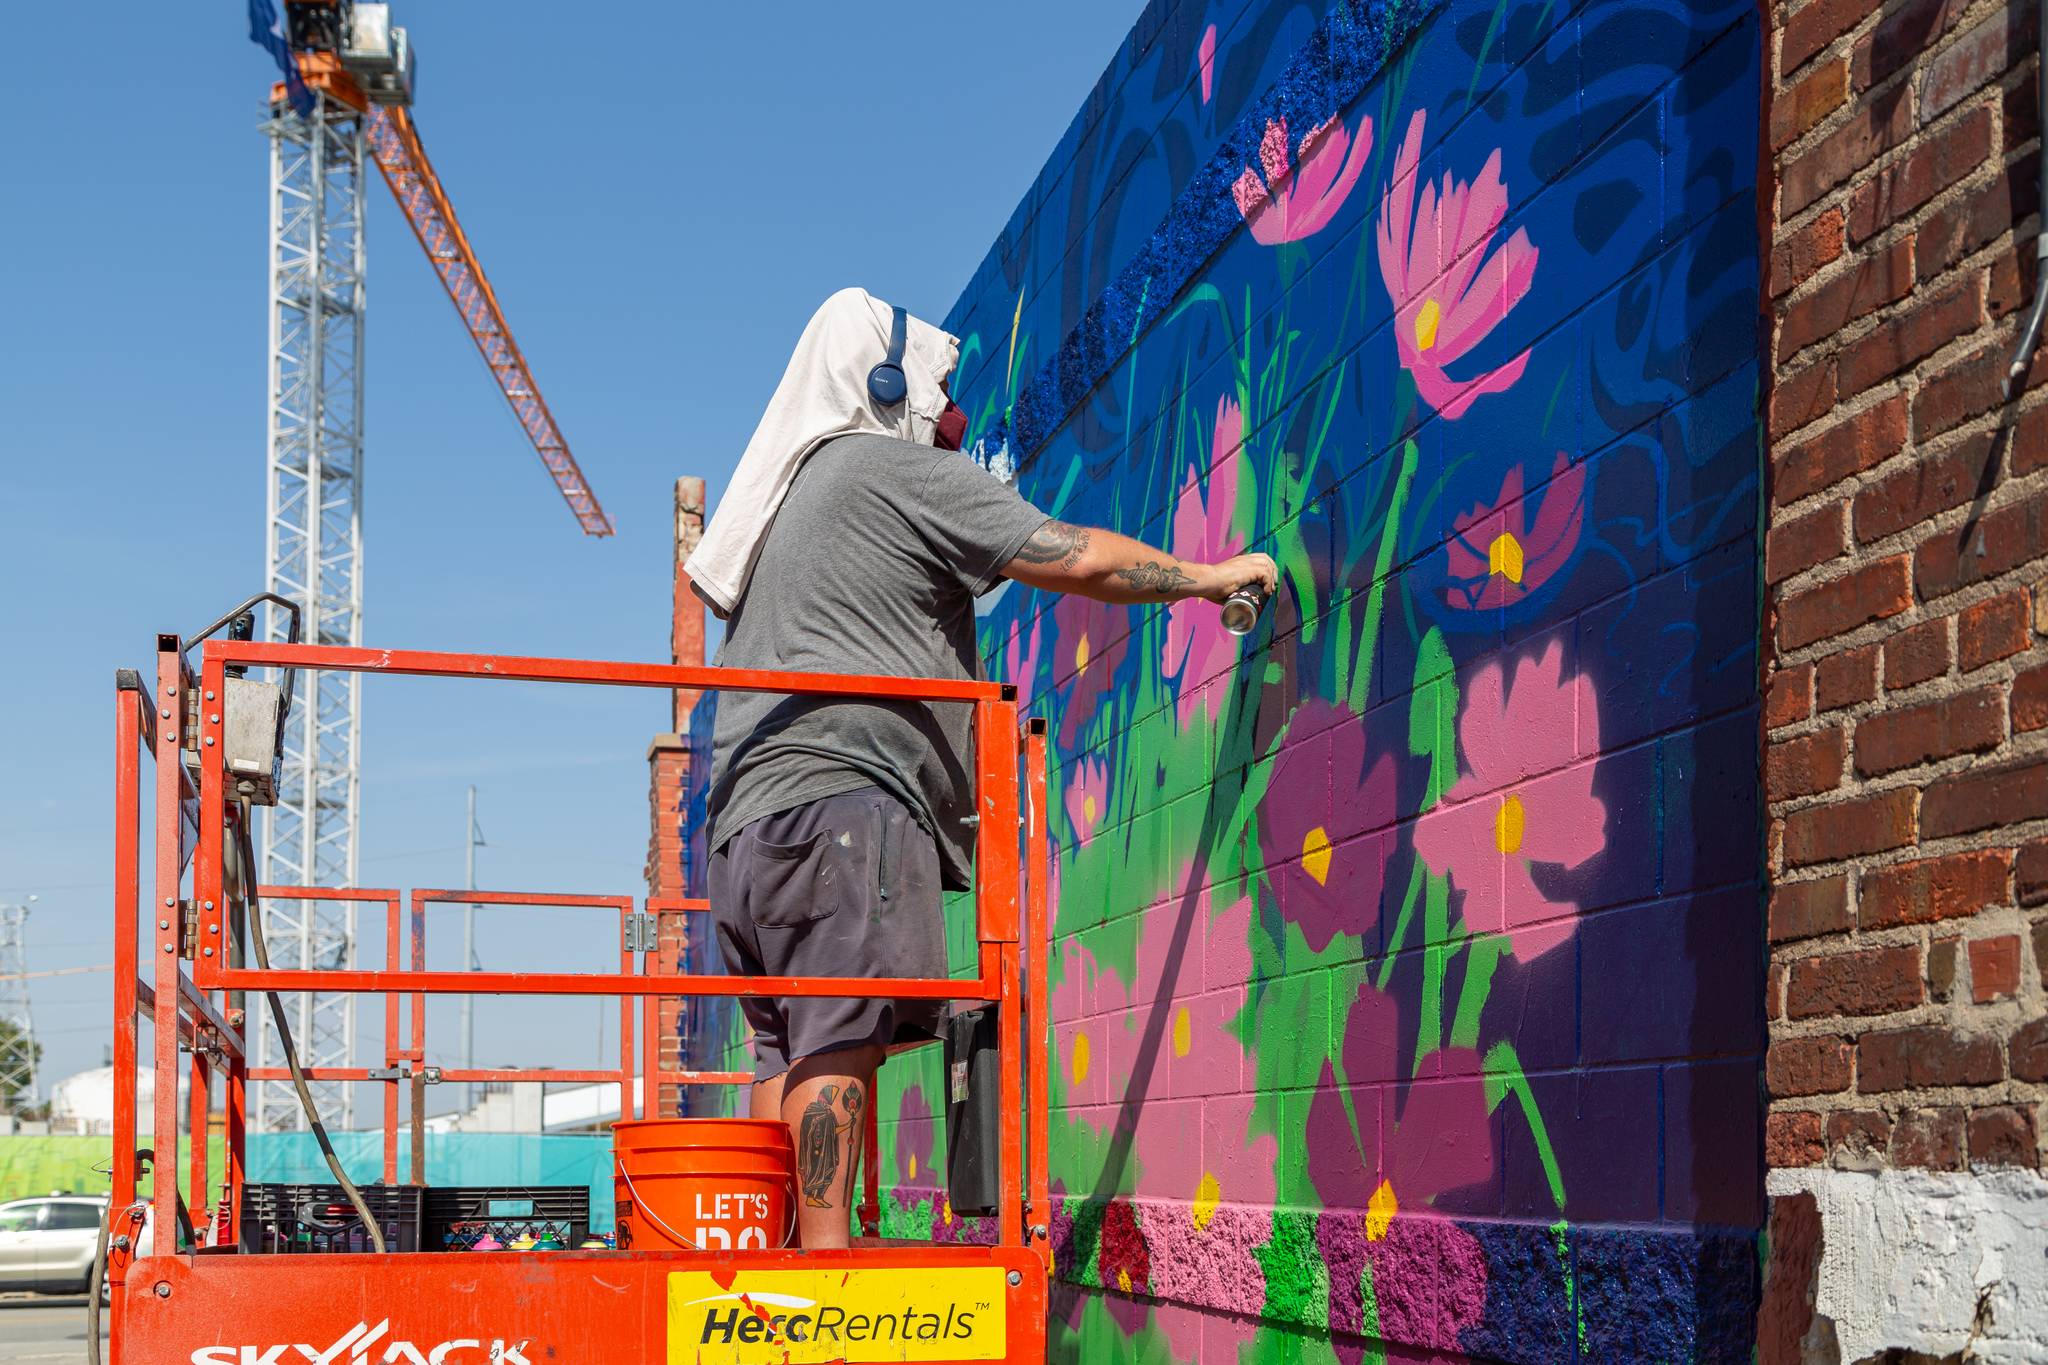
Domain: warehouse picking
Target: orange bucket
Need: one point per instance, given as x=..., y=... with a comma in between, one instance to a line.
x=703, y=1184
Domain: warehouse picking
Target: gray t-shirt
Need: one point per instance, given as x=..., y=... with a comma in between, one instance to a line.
x=872, y=565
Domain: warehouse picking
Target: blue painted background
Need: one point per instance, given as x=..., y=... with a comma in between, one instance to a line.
x=1408, y=957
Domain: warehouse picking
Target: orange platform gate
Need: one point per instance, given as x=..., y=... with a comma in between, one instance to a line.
x=214, y=1305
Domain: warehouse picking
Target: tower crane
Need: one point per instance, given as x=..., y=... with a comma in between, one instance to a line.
x=344, y=100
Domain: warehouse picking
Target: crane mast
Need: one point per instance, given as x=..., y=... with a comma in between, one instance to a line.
x=343, y=104
x=313, y=555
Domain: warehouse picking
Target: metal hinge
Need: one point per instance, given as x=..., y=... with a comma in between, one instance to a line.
x=431, y=1075
x=188, y=929
x=642, y=934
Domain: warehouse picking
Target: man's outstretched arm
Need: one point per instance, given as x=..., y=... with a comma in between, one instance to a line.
x=1114, y=568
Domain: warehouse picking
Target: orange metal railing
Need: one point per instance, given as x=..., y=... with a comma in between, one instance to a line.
x=188, y=981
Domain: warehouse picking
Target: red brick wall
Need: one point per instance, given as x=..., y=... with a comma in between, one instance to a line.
x=1906, y=761
x=668, y=771
x=668, y=761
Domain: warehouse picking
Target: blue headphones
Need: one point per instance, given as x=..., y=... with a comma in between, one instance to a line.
x=886, y=384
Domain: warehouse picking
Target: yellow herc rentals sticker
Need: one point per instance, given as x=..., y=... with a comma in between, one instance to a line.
x=811, y=1317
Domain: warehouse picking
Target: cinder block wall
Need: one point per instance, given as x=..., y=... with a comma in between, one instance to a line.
x=1409, y=956
x=1908, y=685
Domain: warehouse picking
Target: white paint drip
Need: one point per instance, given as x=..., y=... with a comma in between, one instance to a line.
x=1907, y=1256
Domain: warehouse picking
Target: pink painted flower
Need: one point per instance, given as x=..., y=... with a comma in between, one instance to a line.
x=1088, y=797
x=1198, y=648
x=1326, y=824
x=1380, y=1152
x=1229, y=435
x=1497, y=557
x=1526, y=797
x=1156, y=1061
x=1295, y=202
x=1207, y=58
x=1448, y=292
x=915, y=1131
x=1020, y=660
x=1091, y=640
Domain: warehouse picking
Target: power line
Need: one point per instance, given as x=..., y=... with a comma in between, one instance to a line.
x=55, y=971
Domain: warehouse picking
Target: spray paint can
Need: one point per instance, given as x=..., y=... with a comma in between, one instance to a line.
x=1241, y=609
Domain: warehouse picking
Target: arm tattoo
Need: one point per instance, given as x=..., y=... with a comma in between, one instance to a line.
x=1055, y=543
x=1152, y=576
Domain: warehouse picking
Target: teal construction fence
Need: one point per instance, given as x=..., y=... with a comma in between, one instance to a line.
x=42, y=1164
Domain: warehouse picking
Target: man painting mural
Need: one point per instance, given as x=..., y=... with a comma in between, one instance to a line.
x=853, y=539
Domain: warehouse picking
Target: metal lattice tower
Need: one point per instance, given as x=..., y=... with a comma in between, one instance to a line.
x=17, y=1029
x=314, y=557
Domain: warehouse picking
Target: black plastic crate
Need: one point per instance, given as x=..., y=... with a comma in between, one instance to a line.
x=315, y=1218
x=458, y=1216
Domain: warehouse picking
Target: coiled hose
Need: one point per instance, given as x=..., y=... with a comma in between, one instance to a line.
x=284, y=1037
x=96, y=1283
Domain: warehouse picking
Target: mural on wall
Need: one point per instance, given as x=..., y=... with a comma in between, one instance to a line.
x=1408, y=952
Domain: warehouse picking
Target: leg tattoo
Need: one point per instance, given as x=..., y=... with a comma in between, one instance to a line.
x=853, y=1103
x=817, y=1157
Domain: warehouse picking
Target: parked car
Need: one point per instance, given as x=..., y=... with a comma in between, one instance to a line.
x=47, y=1244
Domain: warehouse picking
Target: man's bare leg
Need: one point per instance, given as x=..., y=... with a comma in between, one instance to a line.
x=825, y=1099
x=766, y=1100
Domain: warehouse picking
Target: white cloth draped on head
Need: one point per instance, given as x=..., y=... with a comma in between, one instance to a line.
x=823, y=394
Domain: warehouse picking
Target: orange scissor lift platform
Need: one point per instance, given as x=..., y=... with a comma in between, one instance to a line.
x=881, y=1300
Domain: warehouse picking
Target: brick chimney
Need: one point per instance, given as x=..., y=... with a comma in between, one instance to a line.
x=668, y=777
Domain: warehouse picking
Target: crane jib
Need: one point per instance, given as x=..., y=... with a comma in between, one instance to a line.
x=394, y=144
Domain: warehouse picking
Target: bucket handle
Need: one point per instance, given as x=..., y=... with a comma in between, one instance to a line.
x=648, y=1209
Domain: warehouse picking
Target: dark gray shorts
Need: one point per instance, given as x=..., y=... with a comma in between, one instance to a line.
x=847, y=885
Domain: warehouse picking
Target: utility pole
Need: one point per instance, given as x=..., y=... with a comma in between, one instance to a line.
x=472, y=839
x=17, y=1028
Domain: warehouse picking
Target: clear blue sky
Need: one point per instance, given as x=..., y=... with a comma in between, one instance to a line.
x=660, y=193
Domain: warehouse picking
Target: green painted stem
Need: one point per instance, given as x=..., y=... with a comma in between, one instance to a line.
x=1504, y=1077
x=1369, y=636
x=1436, y=930
x=1400, y=934
x=1484, y=956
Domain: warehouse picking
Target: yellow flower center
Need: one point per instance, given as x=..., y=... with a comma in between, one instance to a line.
x=1183, y=1032
x=1380, y=1211
x=1504, y=557
x=1315, y=855
x=1088, y=809
x=1123, y=1280
x=1208, y=1195
x=1080, y=1063
x=1507, y=825
x=913, y=1165
x=1426, y=320
x=1081, y=656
